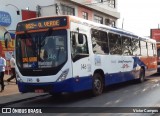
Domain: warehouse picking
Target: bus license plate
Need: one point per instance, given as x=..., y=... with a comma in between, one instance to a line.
x=39, y=91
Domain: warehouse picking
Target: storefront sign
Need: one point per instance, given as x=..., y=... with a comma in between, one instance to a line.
x=5, y=18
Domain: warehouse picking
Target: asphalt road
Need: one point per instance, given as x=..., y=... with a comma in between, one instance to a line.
x=129, y=94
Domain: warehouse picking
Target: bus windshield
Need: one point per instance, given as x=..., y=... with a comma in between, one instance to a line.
x=41, y=50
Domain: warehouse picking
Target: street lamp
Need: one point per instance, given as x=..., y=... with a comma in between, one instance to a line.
x=18, y=11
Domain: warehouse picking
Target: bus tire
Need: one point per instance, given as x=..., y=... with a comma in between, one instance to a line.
x=141, y=76
x=97, y=85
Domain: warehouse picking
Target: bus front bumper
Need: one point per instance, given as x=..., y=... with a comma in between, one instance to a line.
x=69, y=85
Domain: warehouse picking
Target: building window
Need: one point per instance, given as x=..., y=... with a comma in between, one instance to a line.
x=98, y=19
x=85, y=15
x=113, y=24
x=66, y=10
x=111, y=3
x=110, y=22
x=107, y=21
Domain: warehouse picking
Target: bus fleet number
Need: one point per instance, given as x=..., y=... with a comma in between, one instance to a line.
x=83, y=66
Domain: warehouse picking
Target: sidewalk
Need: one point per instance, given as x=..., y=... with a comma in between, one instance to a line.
x=11, y=93
x=10, y=88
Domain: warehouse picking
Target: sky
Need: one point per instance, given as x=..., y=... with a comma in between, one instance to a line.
x=139, y=16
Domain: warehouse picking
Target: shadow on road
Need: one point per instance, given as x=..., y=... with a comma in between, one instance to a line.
x=111, y=93
x=71, y=98
x=155, y=75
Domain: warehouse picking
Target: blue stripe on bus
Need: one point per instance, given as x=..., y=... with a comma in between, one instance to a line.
x=71, y=85
x=137, y=61
x=118, y=77
x=84, y=83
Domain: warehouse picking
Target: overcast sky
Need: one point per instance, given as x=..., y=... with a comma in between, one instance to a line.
x=139, y=15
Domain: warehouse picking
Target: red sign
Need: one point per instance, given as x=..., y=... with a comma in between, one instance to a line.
x=27, y=14
x=155, y=34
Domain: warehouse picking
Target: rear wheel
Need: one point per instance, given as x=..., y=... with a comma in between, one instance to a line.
x=97, y=85
x=141, y=76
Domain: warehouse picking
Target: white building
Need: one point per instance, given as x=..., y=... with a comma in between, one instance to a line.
x=12, y=6
x=101, y=11
x=13, y=11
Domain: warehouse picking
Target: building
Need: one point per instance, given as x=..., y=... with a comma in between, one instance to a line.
x=100, y=11
x=13, y=11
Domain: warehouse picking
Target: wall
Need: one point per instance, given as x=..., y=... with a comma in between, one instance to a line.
x=11, y=7
x=21, y=5
x=90, y=13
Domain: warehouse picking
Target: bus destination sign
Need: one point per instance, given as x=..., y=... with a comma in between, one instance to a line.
x=42, y=23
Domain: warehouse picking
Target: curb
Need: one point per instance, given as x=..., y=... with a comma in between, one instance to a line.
x=19, y=99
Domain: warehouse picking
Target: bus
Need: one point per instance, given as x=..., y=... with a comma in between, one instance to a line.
x=69, y=54
x=158, y=56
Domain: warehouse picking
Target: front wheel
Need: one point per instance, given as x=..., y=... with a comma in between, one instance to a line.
x=97, y=85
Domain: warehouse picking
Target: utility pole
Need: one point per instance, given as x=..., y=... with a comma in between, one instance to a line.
x=122, y=23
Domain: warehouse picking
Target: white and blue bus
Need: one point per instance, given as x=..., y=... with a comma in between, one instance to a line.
x=69, y=54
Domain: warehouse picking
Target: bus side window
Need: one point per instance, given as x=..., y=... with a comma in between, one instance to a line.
x=150, y=49
x=127, y=48
x=82, y=46
x=155, y=49
x=144, y=51
x=79, y=44
x=99, y=42
x=135, y=46
x=115, y=43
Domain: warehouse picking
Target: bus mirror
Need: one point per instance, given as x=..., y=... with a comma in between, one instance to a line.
x=80, y=39
x=73, y=40
x=7, y=38
x=6, y=43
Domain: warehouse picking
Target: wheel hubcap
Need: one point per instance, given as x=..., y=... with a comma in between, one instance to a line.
x=97, y=85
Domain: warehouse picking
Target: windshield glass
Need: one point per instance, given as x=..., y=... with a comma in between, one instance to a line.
x=41, y=50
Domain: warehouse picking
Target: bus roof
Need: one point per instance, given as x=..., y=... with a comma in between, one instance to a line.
x=113, y=29
x=85, y=22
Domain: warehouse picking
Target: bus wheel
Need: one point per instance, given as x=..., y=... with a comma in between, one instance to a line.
x=97, y=86
x=141, y=76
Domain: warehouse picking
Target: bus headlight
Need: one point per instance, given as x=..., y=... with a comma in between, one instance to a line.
x=63, y=75
x=18, y=78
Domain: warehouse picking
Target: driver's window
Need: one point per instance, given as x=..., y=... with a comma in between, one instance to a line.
x=79, y=43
